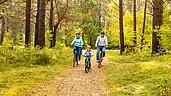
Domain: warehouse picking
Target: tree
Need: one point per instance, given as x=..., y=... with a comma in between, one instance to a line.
x=56, y=25
x=144, y=22
x=2, y=29
x=157, y=22
x=41, y=28
x=27, y=26
x=37, y=24
x=121, y=26
x=100, y=15
x=135, y=25
x=51, y=22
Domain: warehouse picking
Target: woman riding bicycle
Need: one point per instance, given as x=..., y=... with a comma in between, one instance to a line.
x=101, y=44
x=78, y=43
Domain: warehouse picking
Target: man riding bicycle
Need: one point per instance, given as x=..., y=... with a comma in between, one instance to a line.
x=101, y=44
x=78, y=43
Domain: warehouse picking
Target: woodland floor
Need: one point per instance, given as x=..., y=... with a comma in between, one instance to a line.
x=75, y=82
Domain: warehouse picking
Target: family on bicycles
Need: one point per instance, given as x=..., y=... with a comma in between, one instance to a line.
x=101, y=44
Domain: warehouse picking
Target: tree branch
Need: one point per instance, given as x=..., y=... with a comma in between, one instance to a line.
x=3, y=1
x=124, y=11
x=116, y=16
x=115, y=3
x=115, y=8
x=150, y=3
x=1, y=17
x=150, y=14
x=61, y=17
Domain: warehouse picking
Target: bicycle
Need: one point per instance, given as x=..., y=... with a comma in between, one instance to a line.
x=75, y=59
x=87, y=63
x=100, y=58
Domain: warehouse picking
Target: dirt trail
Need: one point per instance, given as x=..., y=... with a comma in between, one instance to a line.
x=76, y=83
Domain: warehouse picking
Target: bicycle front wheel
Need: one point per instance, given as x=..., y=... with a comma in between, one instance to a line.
x=74, y=60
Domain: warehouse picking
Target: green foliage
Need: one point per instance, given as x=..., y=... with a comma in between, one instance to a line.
x=113, y=20
x=22, y=69
x=86, y=21
x=90, y=27
x=138, y=76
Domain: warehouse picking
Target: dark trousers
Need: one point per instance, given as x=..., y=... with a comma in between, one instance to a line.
x=79, y=51
x=100, y=48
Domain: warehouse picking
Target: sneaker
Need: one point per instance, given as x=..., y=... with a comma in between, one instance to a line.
x=103, y=58
x=97, y=61
x=79, y=62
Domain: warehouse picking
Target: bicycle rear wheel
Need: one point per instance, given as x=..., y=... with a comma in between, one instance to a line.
x=87, y=67
x=100, y=59
x=74, y=60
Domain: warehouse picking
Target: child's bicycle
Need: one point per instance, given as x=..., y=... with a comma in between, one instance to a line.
x=87, y=63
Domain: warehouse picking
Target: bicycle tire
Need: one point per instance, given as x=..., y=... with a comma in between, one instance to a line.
x=74, y=60
x=100, y=59
x=87, y=68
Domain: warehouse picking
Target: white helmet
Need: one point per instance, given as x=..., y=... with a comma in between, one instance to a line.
x=77, y=33
x=88, y=46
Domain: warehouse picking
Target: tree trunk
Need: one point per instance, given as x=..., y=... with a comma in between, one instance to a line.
x=121, y=26
x=27, y=26
x=51, y=23
x=41, y=35
x=60, y=18
x=99, y=15
x=37, y=24
x=157, y=22
x=144, y=22
x=3, y=30
x=53, y=43
x=135, y=24
x=51, y=16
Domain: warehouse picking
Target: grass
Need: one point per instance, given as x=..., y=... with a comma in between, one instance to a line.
x=23, y=69
x=138, y=75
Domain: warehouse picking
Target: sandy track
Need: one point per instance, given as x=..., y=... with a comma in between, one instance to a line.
x=76, y=83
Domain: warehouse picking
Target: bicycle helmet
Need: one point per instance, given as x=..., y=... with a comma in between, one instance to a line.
x=77, y=33
x=102, y=32
x=88, y=46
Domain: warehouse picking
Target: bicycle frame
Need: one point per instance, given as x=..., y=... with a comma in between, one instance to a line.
x=75, y=59
x=100, y=58
x=87, y=63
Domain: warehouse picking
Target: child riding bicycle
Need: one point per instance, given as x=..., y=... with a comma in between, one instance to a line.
x=88, y=54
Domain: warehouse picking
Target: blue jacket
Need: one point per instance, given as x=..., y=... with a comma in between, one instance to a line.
x=78, y=42
x=87, y=53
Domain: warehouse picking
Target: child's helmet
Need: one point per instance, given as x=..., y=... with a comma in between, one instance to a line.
x=77, y=33
x=102, y=32
x=88, y=46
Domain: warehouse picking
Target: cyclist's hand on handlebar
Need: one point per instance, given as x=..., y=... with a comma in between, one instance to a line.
x=71, y=44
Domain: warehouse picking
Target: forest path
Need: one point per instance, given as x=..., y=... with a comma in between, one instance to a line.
x=76, y=82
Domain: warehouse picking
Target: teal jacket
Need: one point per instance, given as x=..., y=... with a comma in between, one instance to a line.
x=78, y=42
